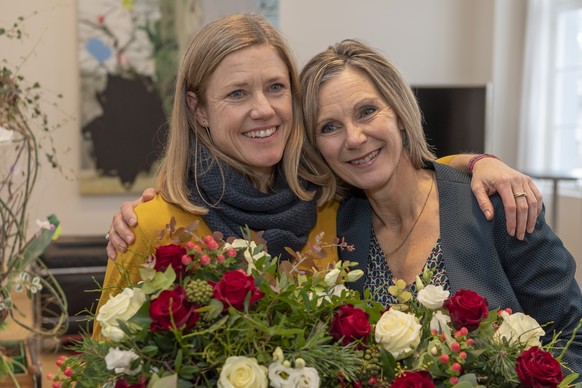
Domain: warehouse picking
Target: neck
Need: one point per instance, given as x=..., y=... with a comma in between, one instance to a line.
x=401, y=200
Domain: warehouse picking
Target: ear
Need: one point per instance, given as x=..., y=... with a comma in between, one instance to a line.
x=199, y=111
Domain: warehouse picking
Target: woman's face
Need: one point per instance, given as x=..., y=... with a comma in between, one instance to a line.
x=357, y=133
x=249, y=107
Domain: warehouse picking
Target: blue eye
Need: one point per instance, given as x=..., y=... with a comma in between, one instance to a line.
x=328, y=128
x=276, y=87
x=367, y=111
x=235, y=94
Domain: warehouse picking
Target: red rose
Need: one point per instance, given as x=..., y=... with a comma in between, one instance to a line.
x=234, y=287
x=467, y=309
x=124, y=384
x=538, y=368
x=351, y=323
x=421, y=379
x=172, y=305
x=170, y=255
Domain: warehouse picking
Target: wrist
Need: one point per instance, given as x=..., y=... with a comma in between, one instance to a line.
x=476, y=158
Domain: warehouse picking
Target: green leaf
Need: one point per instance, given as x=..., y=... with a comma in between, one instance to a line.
x=161, y=281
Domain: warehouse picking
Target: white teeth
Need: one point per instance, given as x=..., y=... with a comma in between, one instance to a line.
x=262, y=133
x=365, y=159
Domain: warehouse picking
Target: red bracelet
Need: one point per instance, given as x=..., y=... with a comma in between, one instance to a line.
x=477, y=158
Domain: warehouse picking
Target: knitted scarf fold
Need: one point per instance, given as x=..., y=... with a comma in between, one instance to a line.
x=234, y=203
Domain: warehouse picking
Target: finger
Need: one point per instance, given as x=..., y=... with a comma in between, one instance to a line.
x=522, y=216
x=538, y=196
x=510, y=207
x=128, y=215
x=116, y=241
x=148, y=194
x=121, y=233
x=484, y=202
x=534, y=207
x=111, y=252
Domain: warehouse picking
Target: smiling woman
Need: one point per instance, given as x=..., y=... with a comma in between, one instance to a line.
x=235, y=148
x=248, y=108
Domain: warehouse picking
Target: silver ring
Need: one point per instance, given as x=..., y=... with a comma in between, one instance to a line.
x=521, y=194
x=107, y=237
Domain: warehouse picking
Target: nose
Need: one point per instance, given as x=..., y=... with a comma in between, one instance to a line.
x=261, y=107
x=355, y=135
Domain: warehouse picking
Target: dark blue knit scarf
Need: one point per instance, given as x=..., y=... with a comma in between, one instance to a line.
x=285, y=219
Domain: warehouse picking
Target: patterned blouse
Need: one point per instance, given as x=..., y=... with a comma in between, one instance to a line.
x=380, y=276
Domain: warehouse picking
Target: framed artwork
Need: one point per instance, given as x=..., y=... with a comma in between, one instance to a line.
x=128, y=56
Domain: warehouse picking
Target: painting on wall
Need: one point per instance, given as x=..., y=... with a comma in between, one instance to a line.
x=128, y=56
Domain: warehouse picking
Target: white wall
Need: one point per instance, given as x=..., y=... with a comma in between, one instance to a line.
x=433, y=42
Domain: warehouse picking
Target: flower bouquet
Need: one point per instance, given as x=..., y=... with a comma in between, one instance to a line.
x=216, y=312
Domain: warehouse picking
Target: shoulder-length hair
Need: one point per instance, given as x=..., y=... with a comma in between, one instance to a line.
x=391, y=84
x=206, y=51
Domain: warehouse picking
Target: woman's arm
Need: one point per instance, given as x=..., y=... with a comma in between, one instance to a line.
x=490, y=176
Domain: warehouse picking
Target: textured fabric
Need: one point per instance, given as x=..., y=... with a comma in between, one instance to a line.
x=154, y=215
x=534, y=276
x=233, y=202
x=379, y=276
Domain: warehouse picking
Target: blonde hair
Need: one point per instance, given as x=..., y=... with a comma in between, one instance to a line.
x=206, y=51
x=391, y=84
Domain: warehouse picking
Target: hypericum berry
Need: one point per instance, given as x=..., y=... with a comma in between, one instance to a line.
x=434, y=331
x=57, y=384
x=210, y=242
x=231, y=252
x=199, y=291
x=453, y=380
x=470, y=342
x=220, y=258
x=463, y=355
x=455, y=347
x=68, y=371
x=204, y=260
x=444, y=358
x=190, y=245
x=186, y=259
x=456, y=367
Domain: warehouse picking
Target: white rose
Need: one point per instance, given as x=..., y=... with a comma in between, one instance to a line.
x=120, y=361
x=239, y=372
x=249, y=247
x=398, y=333
x=122, y=307
x=432, y=297
x=521, y=328
x=440, y=323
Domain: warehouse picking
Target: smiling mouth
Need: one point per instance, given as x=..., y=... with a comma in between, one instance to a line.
x=260, y=134
x=366, y=158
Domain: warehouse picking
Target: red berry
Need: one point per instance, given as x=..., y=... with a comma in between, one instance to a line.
x=455, y=347
x=456, y=367
x=454, y=380
x=68, y=372
x=444, y=358
x=463, y=355
x=231, y=252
